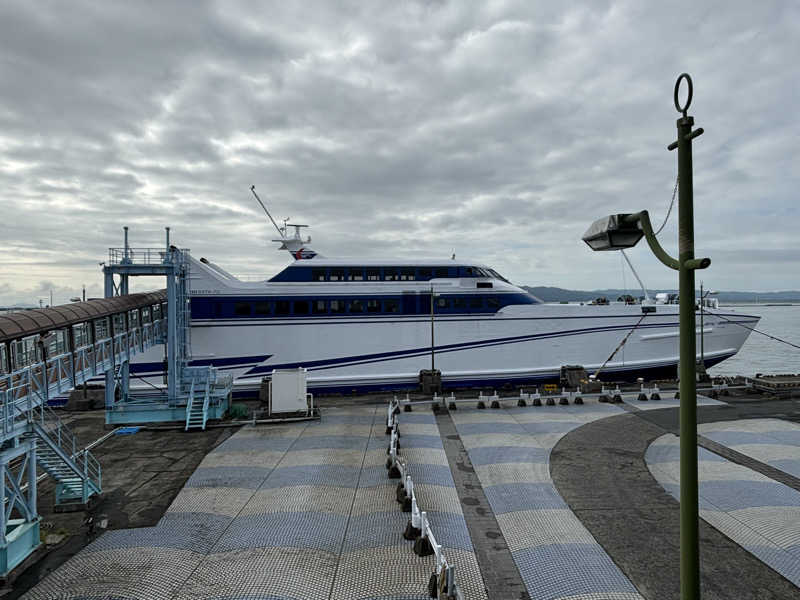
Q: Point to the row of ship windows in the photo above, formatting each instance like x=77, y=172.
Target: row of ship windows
x=357, y=306
x=382, y=273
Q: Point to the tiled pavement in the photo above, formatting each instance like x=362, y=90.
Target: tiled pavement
x=301, y=512
x=771, y=441
x=510, y=448
x=758, y=513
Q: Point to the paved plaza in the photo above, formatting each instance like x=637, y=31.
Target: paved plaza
x=306, y=511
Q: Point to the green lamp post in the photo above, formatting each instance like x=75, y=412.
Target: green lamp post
x=620, y=231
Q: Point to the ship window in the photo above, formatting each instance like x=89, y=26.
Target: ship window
x=242, y=309
x=373, y=275
x=373, y=306
x=424, y=274
x=355, y=306
x=484, y=284
x=391, y=306
x=493, y=302
x=301, y=307
x=390, y=275
x=317, y=274
x=356, y=274
x=319, y=307
x=476, y=302
x=337, y=275
x=441, y=272
x=444, y=302
x=469, y=272
x=282, y=307
x=263, y=308
x=459, y=303
x=406, y=274
x=337, y=306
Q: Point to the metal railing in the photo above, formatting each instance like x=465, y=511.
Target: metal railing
x=442, y=584
x=137, y=256
x=26, y=389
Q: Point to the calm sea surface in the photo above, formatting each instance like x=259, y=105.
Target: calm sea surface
x=761, y=354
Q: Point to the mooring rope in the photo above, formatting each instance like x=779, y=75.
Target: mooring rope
x=772, y=337
x=621, y=344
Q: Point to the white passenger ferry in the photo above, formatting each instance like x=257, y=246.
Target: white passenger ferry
x=362, y=325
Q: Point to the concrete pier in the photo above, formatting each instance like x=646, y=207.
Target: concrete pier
x=552, y=502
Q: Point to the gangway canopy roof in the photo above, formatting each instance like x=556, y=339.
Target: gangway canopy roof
x=25, y=323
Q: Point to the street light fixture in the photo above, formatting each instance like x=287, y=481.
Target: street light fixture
x=615, y=233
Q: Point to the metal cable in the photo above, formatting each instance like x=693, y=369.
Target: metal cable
x=671, y=204
x=772, y=337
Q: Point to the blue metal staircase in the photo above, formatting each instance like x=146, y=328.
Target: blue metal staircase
x=77, y=472
x=197, y=405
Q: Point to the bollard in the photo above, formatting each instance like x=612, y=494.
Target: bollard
x=433, y=586
x=521, y=402
x=537, y=401
x=452, y=406
x=578, y=400
x=642, y=397
x=406, y=408
x=563, y=401
x=654, y=393
x=495, y=404
x=422, y=545
x=481, y=405
x=677, y=395
x=413, y=529
x=551, y=401
x=435, y=407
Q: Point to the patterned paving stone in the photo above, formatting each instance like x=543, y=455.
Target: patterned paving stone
x=298, y=499
x=487, y=455
x=567, y=570
x=509, y=497
x=756, y=512
x=242, y=477
x=556, y=556
x=215, y=500
x=236, y=443
x=333, y=475
x=253, y=458
x=500, y=440
x=131, y=573
x=269, y=512
x=493, y=474
x=322, y=456
x=320, y=531
x=285, y=572
x=530, y=528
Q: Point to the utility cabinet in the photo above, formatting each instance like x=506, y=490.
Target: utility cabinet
x=287, y=392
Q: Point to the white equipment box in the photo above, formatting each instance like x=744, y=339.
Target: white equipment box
x=287, y=392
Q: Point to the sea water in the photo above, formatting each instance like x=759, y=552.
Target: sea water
x=761, y=354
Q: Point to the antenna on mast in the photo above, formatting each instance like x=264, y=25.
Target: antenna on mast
x=281, y=233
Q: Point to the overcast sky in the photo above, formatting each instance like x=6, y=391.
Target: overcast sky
x=495, y=130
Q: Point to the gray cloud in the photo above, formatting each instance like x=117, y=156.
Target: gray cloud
x=496, y=130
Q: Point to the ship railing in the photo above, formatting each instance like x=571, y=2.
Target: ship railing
x=442, y=583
